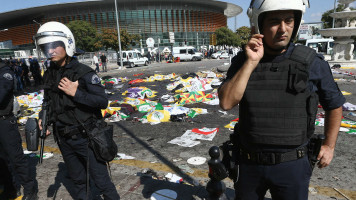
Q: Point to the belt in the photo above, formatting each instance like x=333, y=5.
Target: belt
x=268, y=158
x=74, y=132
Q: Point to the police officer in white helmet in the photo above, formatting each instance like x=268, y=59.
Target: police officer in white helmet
x=277, y=86
x=75, y=95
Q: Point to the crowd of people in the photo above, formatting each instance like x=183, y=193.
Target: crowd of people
x=25, y=70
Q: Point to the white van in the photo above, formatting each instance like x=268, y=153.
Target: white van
x=187, y=53
x=132, y=58
x=323, y=46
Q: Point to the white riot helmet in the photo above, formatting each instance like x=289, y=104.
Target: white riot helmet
x=53, y=34
x=257, y=7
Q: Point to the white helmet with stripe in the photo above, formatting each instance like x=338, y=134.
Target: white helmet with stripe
x=257, y=7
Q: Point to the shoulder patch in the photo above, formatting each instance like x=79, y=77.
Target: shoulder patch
x=95, y=79
x=8, y=76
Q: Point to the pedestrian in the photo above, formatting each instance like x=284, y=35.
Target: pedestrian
x=103, y=60
x=74, y=95
x=35, y=69
x=96, y=62
x=10, y=139
x=18, y=73
x=277, y=85
x=26, y=79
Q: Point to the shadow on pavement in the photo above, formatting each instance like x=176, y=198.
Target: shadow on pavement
x=60, y=180
x=162, y=184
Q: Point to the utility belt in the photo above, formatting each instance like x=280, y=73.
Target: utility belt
x=269, y=158
x=73, y=132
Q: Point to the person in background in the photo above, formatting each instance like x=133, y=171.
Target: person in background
x=96, y=62
x=104, y=61
x=11, y=151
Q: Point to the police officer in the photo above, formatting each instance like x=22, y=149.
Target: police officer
x=10, y=139
x=74, y=93
x=277, y=86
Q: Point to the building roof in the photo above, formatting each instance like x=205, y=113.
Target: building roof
x=26, y=16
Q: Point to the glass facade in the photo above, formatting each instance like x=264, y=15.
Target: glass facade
x=191, y=23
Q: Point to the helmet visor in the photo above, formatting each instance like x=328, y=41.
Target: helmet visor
x=48, y=49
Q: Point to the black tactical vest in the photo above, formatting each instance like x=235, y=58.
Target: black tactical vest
x=61, y=106
x=6, y=109
x=277, y=107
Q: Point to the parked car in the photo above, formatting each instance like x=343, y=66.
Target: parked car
x=187, y=53
x=132, y=58
x=224, y=55
x=217, y=54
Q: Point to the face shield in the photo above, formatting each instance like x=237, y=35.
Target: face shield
x=49, y=49
x=48, y=42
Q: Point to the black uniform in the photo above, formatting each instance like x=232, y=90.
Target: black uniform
x=72, y=140
x=277, y=115
x=10, y=139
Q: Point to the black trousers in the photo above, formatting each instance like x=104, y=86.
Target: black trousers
x=286, y=181
x=11, y=148
x=75, y=154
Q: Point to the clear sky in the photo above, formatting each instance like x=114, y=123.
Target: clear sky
x=313, y=14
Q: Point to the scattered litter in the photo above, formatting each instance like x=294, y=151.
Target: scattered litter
x=177, y=159
x=352, y=131
x=46, y=155
x=196, y=160
x=349, y=107
x=346, y=93
x=173, y=178
x=342, y=194
x=25, y=151
x=188, y=139
x=164, y=194
x=348, y=124
x=186, y=169
x=312, y=190
x=184, y=142
x=336, y=178
x=122, y=156
x=352, y=114
x=223, y=112
x=342, y=129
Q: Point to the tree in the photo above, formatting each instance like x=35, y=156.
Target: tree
x=85, y=35
x=327, y=19
x=225, y=36
x=244, y=34
x=108, y=39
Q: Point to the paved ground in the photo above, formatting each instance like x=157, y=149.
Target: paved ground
x=154, y=158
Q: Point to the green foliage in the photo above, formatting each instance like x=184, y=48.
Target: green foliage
x=327, y=19
x=108, y=39
x=243, y=33
x=85, y=35
x=225, y=36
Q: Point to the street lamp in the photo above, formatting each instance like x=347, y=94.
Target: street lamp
x=37, y=22
x=118, y=34
x=334, y=12
x=185, y=25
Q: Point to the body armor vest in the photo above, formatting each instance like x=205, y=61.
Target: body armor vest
x=277, y=107
x=61, y=106
x=6, y=109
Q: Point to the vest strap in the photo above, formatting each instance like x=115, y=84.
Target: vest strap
x=303, y=54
